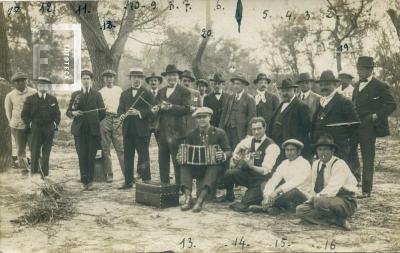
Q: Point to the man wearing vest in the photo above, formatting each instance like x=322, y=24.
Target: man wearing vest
x=216, y=99
x=374, y=102
x=306, y=95
x=251, y=165
x=266, y=102
x=334, y=188
x=42, y=114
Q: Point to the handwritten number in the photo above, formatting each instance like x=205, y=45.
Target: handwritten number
x=154, y=5
x=344, y=47
x=265, y=14
x=187, y=243
x=308, y=15
x=218, y=5
x=330, y=13
x=289, y=15
x=171, y=5
x=206, y=33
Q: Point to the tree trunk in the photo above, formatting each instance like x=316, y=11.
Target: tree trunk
x=339, y=61
x=395, y=17
x=5, y=133
x=5, y=66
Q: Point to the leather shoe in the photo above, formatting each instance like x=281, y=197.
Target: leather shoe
x=109, y=178
x=126, y=186
x=364, y=195
x=187, y=204
x=225, y=198
x=197, y=207
x=344, y=223
x=239, y=207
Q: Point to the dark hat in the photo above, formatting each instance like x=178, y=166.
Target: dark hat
x=295, y=142
x=86, y=72
x=136, y=72
x=304, y=77
x=108, y=72
x=217, y=78
x=240, y=77
x=365, y=61
x=202, y=111
x=344, y=74
x=327, y=76
x=153, y=75
x=325, y=140
x=202, y=82
x=19, y=76
x=44, y=80
x=171, y=68
x=287, y=84
x=188, y=74
x=262, y=76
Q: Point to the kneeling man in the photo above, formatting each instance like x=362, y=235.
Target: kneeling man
x=289, y=185
x=334, y=188
x=203, y=135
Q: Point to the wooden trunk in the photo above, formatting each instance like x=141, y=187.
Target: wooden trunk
x=153, y=193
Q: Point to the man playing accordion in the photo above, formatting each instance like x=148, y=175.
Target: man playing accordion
x=202, y=157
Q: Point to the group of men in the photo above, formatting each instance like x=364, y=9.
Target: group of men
x=294, y=150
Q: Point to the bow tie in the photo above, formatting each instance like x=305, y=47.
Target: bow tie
x=363, y=80
x=134, y=88
x=257, y=141
x=217, y=93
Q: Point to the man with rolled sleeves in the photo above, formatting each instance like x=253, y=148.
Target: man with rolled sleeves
x=266, y=102
x=42, y=115
x=110, y=133
x=13, y=105
x=306, y=95
x=134, y=110
x=86, y=108
x=203, y=135
x=374, y=103
x=216, y=99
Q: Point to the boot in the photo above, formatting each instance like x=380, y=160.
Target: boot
x=187, y=205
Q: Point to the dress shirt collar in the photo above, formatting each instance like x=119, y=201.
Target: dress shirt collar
x=305, y=94
x=368, y=80
x=86, y=90
x=325, y=100
x=239, y=96
x=42, y=94
x=172, y=88
x=262, y=138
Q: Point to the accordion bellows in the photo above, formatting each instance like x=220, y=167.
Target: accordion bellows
x=198, y=155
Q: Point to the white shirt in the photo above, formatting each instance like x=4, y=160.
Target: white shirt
x=305, y=94
x=348, y=92
x=170, y=90
x=335, y=177
x=13, y=104
x=325, y=100
x=296, y=173
x=271, y=153
x=363, y=84
x=111, y=97
x=40, y=95
x=260, y=96
x=154, y=92
x=239, y=96
x=85, y=90
x=286, y=104
x=135, y=90
x=218, y=96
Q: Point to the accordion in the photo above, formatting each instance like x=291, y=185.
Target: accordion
x=198, y=155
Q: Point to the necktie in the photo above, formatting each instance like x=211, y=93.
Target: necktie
x=319, y=182
x=303, y=97
x=257, y=141
x=42, y=97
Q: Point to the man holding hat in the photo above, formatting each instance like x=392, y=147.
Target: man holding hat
x=238, y=111
x=306, y=95
x=291, y=119
x=86, y=108
x=109, y=125
x=374, y=102
x=154, y=81
x=266, y=102
x=216, y=99
x=295, y=172
x=335, y=115
x=13, y=105
x=173, y=104
x=42, y=115
x=187, y=81
x=134, y=111
x=333, y=185
x=203, y=135
x=345, y=88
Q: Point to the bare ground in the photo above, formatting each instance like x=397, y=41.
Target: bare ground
x=108, y=220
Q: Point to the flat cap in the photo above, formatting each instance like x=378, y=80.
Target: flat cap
x=87, y=72
x=44, y=80
x=202, y=111
x=19, y=76
x=108, y=72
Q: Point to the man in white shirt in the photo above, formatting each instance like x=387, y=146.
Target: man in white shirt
x=345, y=88
x=109, y=130
x=251, y=165
x=334, y=188
x=295, y=172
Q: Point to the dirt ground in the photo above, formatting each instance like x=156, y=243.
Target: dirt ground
x=109, y=220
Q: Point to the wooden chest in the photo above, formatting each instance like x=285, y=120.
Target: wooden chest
x=154, y=193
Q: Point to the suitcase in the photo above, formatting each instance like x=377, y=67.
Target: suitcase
x=154, y=193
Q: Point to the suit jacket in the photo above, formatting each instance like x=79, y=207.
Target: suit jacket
x=216, y=105
x=195, y=101
x=267, y=109
x=339, y=110
x=91, y=119
x=171, y=123
x=247, y=110
x=31, y=108
x=140, y=124
x=295, y=123
x=312, y=101
x=377, y=98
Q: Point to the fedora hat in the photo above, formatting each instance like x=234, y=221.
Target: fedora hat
x=217, y=78
x=287, y=84
x=295, y=142
x=261, y=76
x=108, y=72
x=327, y=76
x=188, y=74
x=304, y=77
x=240, y=77
x=153, y=75
x=19, y=76
x=136, y=72
x=365, y=61
x=87, y=72
x=202, y=82
x=325, y=140
x=171, y=68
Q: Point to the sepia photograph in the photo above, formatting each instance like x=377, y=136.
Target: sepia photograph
x=199, y=126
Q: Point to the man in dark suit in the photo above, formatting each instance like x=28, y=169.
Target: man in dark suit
x=291, y=120
x=216, y=99
x=42, y=114
x=203, y=135
x=134, y=110
x=335, y=115
x=266, y=102
x=188, y=81
x=86, y=108
x=173, y=104
x=374, y=103
x=306, y=95
x=238, y=111
x=154, y=82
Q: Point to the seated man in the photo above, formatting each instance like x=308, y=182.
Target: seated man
x=295, y=174
x=334, y=188
x=251, y=165
x=203, y=135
